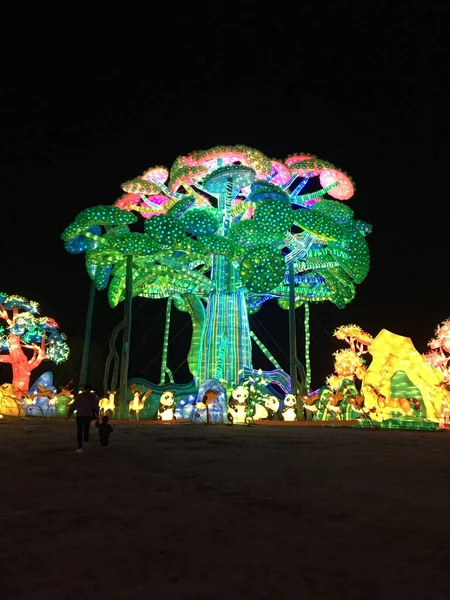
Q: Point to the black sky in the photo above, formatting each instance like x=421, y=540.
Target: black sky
x=91, y=101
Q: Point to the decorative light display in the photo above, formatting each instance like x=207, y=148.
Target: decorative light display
x=401, y=388
x=166, y=406
x=137, y=404
x=400, y=385
x=43, y=400
x=439, y=354
x=220, y=230
x=107, y=404
x=26, y=340
x=9, y=404
x=207, y=405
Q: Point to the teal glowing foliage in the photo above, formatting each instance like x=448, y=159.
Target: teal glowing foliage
x=284, y=302
x=136, y=244
x=191, y=250
x=105, y=255
x=352, y=252
x=201, y=221
x=116, y=290
x=261, y=269
x=97, y=215
x=58, y=351
x=114, y=247
x=362, y=226
x=274, y=216
x=338, y=211
x=217, y=244
x=113, y=232
x=247, y=233
x=165, y=230
x=101, y=276
x=342, y=290
x=179, y=207
x=320, y=225
x=350, y=248
x=180, y=304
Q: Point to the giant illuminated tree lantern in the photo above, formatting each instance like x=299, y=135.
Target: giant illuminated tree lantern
x=26, y=340
x=221, y=232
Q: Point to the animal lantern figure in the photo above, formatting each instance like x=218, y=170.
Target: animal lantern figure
x=310, y=402
x=67, y=391
x=64, y=399
x=260, y=412
x=237, y=405
x=41, y=403
x=107, y=403
x=289, y=412
x=267, y=411
x=323, y=401
x=51, y=398
x=137, y=404
x=166, y=406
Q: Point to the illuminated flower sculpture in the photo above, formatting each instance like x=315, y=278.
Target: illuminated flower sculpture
x=439, y=355
x=26, y=340
x=340, y=397
x=220, y=232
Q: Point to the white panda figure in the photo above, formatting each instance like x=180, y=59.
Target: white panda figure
x=166, y=406
x=237, y=405
x=272, y=404
x=260, y=412
x=289, y=412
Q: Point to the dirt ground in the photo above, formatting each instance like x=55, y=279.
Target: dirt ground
x=182, y=511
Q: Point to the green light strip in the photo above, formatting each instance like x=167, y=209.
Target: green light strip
x=164, y=369
x=319, y=193
x=226, y=320
x=265, y=351
x=307, y=345
x=220, y=360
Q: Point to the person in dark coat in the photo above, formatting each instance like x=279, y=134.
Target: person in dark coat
x=104, y=431
x=86, y=405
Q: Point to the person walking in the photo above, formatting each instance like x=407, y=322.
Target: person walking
x=86, y=405
x=104, y=431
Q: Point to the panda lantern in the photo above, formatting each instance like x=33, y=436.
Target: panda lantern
x=289, y=412
x=166, y=406
x=267, y=411
x=237, y=405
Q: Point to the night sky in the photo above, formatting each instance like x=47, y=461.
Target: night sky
x=91, y=102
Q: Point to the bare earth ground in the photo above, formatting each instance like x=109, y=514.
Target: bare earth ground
x=181, y=511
